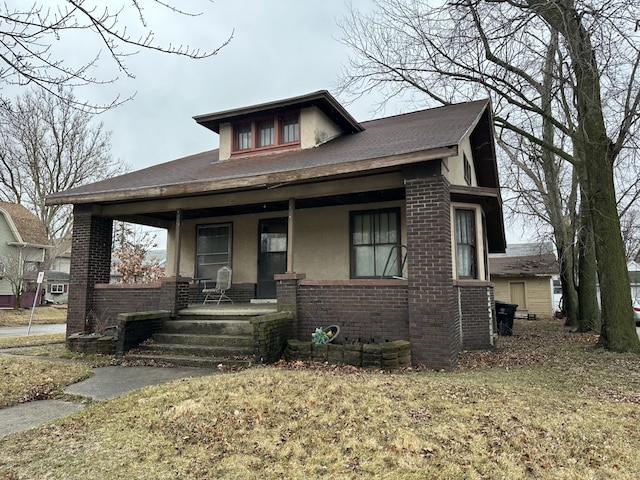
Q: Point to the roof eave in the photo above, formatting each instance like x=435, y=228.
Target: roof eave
x=268, y=180
x=28, y=245
x=322, y=99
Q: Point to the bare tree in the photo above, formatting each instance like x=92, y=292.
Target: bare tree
x=630, y=224
x=47, y=146
x=576, y=98
x=30, y=31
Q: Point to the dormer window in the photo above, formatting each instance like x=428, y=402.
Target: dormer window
x=243, y=136
x=290, y=129
x=266, y=133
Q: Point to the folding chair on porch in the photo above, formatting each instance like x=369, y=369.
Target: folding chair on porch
x=223, y=283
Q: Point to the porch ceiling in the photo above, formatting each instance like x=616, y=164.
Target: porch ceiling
x=167, y=217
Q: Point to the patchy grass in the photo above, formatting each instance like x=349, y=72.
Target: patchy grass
x=41, y=315
x=544, y=405
x=32, y=340
x=24, y=379
x=60, y=350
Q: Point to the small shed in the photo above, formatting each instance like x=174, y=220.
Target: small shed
x=523, y=275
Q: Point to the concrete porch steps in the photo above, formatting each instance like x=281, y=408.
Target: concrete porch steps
x=187, y=361
x=205, y=336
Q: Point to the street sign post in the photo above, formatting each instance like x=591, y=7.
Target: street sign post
x=35, y=299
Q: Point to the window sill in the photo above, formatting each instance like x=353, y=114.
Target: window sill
x=471, y=282
x=284, y=147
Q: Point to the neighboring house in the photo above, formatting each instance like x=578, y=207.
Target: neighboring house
x=524, y=275
x=23, y=244
x=57, y=286
x=382, y=227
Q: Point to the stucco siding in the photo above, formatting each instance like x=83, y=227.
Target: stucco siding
x=456, y=165
x=321, y=242
x=226, y=139
x=316, y=128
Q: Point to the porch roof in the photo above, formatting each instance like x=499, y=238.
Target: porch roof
x=384, y=144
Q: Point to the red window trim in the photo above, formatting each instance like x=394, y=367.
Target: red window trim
x=277, y=134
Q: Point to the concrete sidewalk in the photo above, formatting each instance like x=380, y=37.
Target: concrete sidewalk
x=106, y=383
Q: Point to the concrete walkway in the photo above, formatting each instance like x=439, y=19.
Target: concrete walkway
x=106, y=383
x=35, y=330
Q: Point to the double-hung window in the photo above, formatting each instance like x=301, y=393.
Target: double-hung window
x=266, y=133
x=290, y=129
x=243, y=136
x=466, y=248
x=213, y=249
x=374, y=234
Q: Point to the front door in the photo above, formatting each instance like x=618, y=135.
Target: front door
x=272, y=254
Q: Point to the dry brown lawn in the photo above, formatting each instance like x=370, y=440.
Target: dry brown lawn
x=544, y=405
x=41, y=315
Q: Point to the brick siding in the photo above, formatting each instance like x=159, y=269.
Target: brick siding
x=90, y=264
x=477, y=315
x=433, y=316
x=364, y=311
x=111, y=300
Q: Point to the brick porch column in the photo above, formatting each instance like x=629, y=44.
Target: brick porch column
x=287, y=295
x=90, y=263
x=433, y=319
x=174, y=294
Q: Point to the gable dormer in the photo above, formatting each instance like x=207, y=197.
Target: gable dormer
x=291, y=124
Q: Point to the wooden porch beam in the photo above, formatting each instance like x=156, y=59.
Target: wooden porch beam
x=178, y=238
x=292, y=206
x=336, y=187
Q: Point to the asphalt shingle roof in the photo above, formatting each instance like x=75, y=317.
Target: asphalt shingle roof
x=29, y=226
x=524, y=266
x=402, y=134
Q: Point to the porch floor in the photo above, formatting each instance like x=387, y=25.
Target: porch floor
x=229, y=309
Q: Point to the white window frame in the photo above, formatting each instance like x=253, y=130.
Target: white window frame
x=217, y=264
x=56, y=288
x=481, y=245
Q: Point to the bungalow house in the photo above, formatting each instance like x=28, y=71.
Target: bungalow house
x=382, y=227
x=23, y=246
x=524, y=275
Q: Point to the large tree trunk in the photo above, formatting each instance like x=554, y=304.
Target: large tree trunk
x=589, y=318
x=564, y=231
x=570, y=306
x=618, y=327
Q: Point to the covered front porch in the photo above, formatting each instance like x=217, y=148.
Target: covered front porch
x=295, y=247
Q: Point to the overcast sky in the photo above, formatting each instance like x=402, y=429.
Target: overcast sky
x=279, y=49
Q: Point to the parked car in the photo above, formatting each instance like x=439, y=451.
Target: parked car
x=636, y=310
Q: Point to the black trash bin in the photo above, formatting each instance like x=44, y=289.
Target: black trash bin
x=505, y=313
